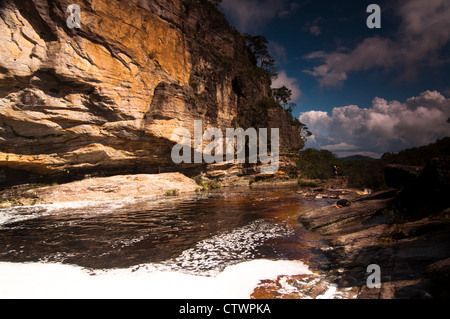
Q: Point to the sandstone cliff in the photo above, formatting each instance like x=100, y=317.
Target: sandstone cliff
x=104, y=99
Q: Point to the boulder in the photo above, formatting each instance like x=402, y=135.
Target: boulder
x=398, y=176
x=428, y=193
x=114, y=188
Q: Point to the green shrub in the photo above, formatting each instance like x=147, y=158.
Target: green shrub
x=306, y=183
x=211, y=185
x=206, y=185
x=267, y=103
x=172, y=192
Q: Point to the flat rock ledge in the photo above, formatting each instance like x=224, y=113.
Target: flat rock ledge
x=412, y=255
x=111, y=188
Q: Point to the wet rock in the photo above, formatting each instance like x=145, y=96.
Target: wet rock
x=331, y=217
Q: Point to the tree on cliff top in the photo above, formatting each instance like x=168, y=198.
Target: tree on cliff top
x=282, y=95
x=258, y=47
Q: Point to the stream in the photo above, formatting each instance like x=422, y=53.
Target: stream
x=229, y=243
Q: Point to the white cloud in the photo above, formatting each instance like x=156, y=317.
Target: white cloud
x=316, y=118
x=423, y=32
x=290, y=83
x=388, y=126
x=340, y=147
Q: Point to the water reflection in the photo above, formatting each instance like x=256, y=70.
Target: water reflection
x=199, y=234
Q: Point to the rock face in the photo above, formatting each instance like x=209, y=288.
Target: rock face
x=105, y=98
x=427, y=194
x=401, y=175
x=412, y=255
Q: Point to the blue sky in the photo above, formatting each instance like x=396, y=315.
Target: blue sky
x=331, y=60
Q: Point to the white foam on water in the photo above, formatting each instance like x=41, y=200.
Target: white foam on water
x=213, y=254
x=329, y=294
x=59, y=281
x=17, y=214
x=22, y=213
x=220, y=267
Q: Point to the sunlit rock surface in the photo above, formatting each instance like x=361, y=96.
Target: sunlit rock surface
x=105, y=98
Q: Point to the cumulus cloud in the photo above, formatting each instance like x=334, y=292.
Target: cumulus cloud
x=290, y=83
x=423, y=32
x=387, y=126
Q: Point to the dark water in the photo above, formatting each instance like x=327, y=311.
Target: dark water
x=122, y=234
x=200, y=234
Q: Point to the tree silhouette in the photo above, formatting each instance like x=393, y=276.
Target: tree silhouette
x=258, y=47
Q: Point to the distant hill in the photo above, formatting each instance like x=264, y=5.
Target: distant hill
x=365, y=171
x=419, y=156
x=357, y=158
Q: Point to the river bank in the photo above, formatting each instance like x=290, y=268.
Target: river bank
x=405, y=232
x=412, y=253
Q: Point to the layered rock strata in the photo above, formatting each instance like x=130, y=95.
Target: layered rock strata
x=105, y=98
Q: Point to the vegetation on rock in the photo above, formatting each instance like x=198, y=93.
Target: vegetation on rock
x=366, y=172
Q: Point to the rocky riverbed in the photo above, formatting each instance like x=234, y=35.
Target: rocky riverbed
x=389, y=228
x=406, y=233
